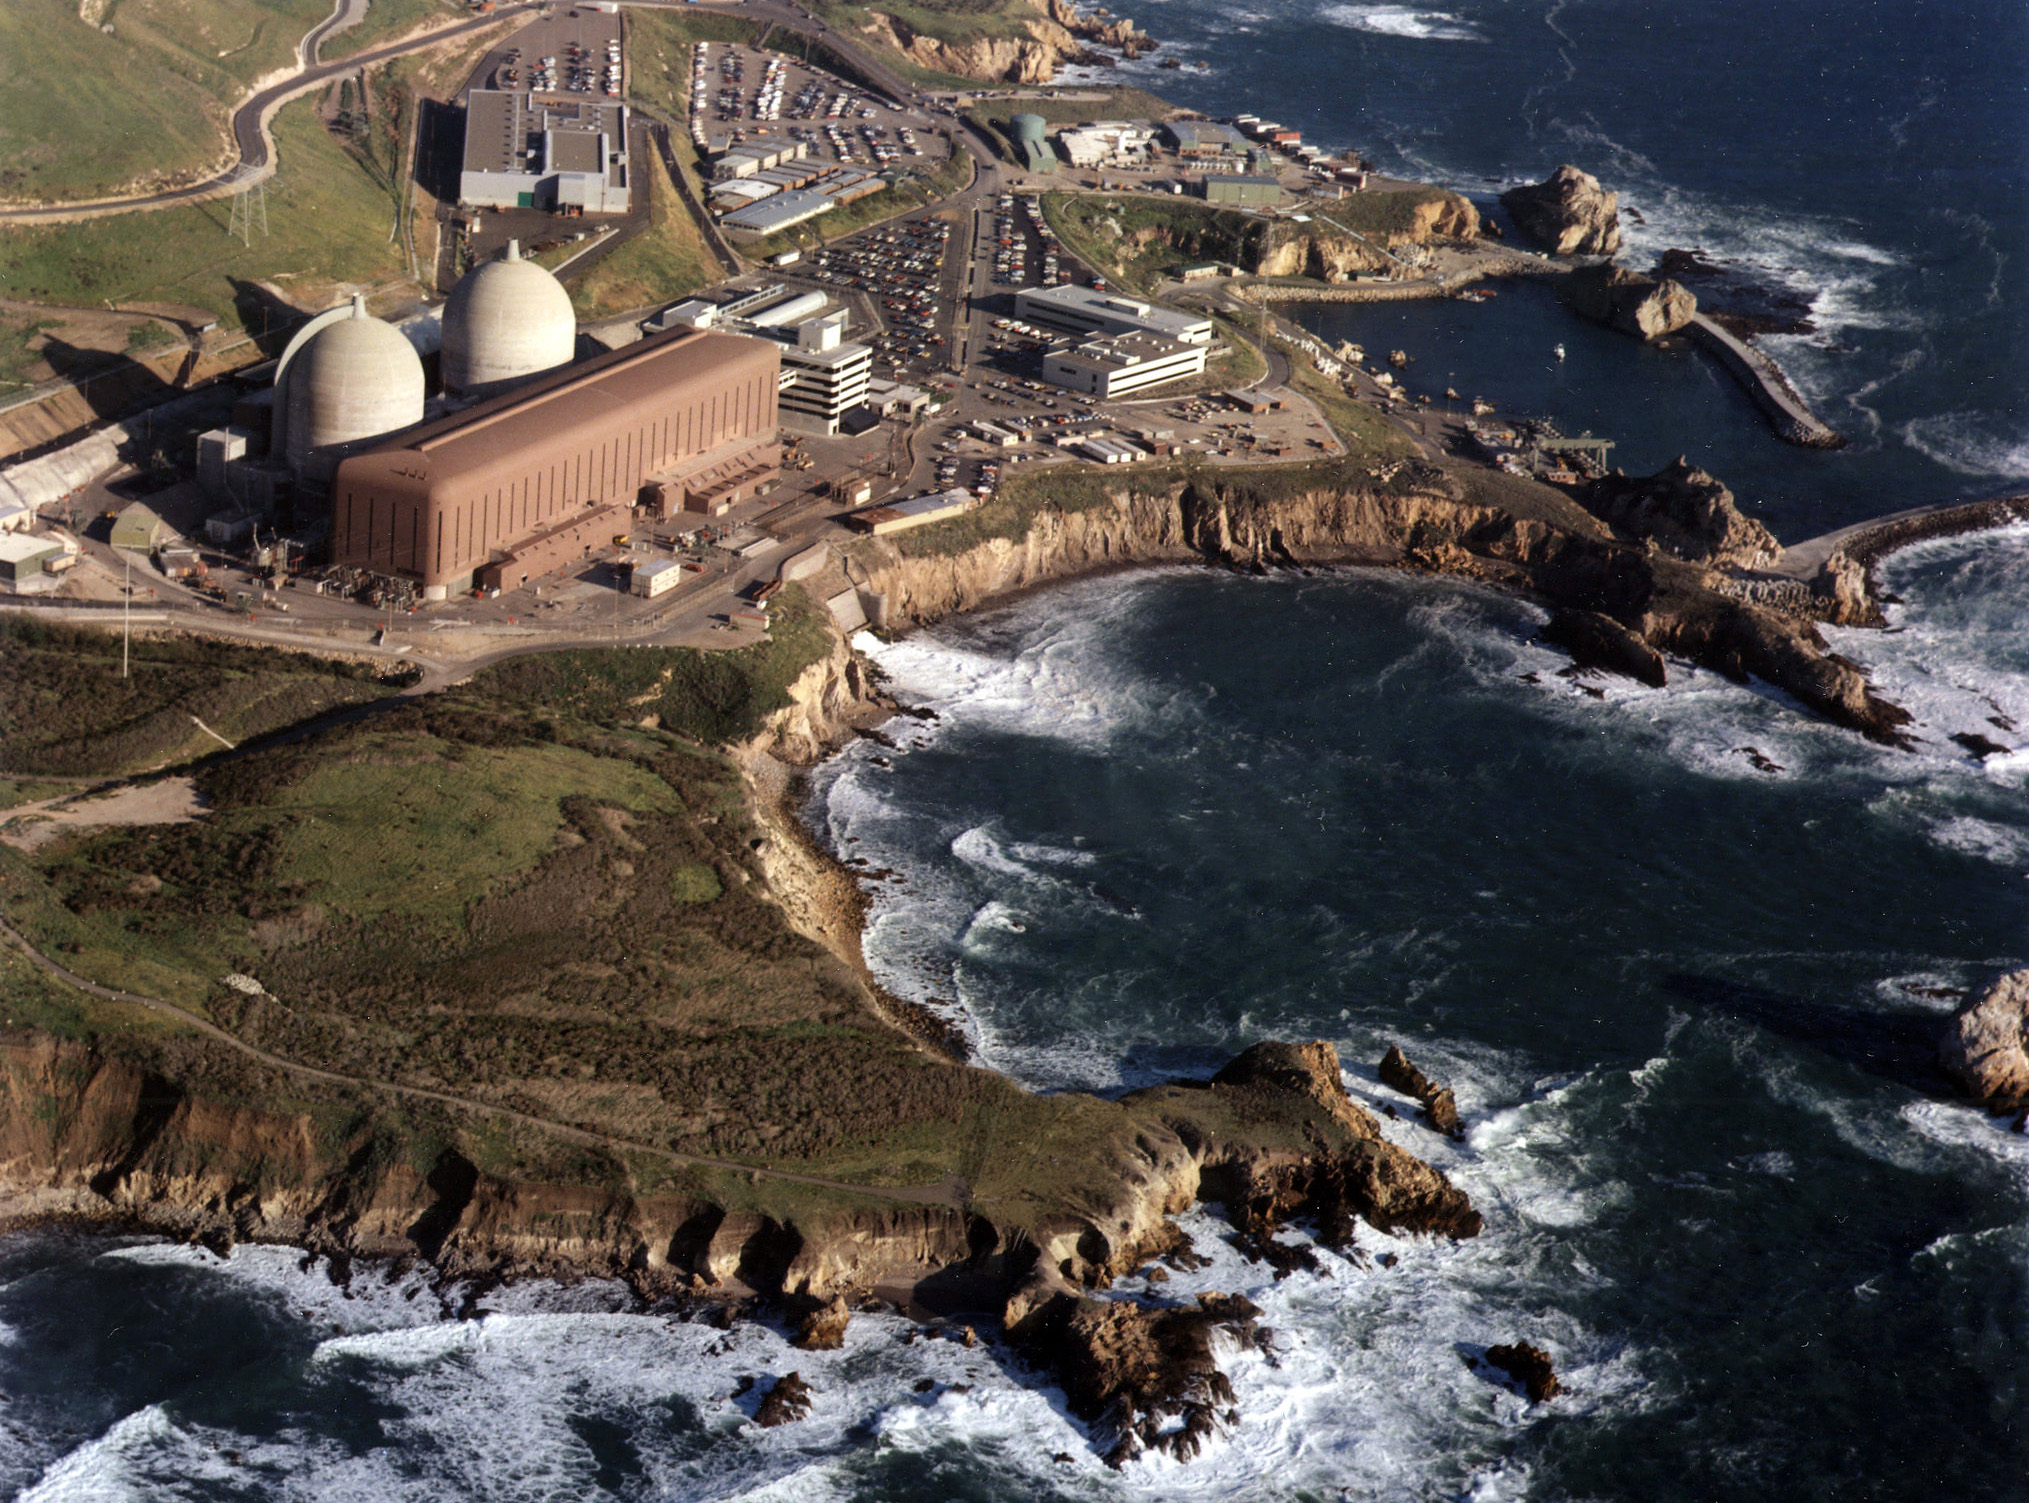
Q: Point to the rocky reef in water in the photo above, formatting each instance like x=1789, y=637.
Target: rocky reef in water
x=1568, y=213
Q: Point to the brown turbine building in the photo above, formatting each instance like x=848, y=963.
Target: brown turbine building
x=506, y=491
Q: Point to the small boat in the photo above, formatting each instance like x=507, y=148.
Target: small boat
x=1560, y=352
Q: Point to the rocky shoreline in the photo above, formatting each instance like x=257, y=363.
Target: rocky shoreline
x=1664, y=578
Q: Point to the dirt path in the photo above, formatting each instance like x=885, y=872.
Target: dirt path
x=951, y=1191
x=171, y=801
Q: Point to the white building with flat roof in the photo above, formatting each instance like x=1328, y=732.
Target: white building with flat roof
x=1080, y=310
x=1121, y=364
x=824, y=375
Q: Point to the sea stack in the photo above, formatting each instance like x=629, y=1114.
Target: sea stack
x=1568, y=212
x=1984, y=1050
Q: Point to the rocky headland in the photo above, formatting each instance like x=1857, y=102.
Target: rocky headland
x=1044, y=36
x=1610, y=576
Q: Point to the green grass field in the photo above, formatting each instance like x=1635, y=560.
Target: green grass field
x=329, y=220
x=667, y=259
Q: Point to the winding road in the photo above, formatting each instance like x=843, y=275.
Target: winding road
x=250, y=121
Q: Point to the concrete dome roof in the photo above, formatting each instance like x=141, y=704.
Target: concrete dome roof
x=357, y=378
x=505, y=321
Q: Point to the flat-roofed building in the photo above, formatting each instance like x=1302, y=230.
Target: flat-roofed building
x=792, y=206
x=1253, y=192
x=824, y=375
x=521, y=483
x=1080, y=310
x=1122, y=364
x=523, y=153
x=1203, y=138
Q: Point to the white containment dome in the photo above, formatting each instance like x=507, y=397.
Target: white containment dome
x=506, y=321
x=356, y=378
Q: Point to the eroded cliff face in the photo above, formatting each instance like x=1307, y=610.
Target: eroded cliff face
x=1649, y=601
x=1316, y=248
x=1031, y=58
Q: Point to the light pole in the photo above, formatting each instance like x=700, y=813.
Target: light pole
x=126, y=611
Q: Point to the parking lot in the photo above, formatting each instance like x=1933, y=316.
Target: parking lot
x=743, y=95
x=900, y=269
x=572, y=54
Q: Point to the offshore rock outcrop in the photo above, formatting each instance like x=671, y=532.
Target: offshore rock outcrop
x=1568, y=212
x=1529, y=1366
x=1630, y=302
x=1440, y=1108
x=1985, y=1049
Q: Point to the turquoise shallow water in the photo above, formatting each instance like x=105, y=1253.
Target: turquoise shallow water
x=1681, y=952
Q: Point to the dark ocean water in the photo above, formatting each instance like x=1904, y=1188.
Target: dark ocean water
x=1683, y=953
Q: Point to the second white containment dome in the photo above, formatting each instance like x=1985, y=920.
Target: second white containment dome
x=505, y=321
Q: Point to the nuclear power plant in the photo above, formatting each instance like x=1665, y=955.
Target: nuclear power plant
x=527, y=458
x=503, y=492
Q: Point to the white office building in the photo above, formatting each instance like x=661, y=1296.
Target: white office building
x=1122, y=364
x=824, y=375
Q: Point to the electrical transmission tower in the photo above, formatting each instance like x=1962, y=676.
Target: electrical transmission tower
x=249, y=206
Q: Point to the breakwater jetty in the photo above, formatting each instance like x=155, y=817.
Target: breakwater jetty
x=1786, y=410
x=1867, y=543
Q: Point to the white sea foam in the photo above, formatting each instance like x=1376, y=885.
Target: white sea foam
x=1969, y=443
x=1403, y=21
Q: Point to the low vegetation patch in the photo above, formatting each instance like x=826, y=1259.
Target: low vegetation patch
x=66, y=711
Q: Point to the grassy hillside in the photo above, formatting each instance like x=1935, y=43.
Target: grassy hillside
x=667, y=259
x=521, y=892
x=329, y=218
x=84, y=113
x=65, y=711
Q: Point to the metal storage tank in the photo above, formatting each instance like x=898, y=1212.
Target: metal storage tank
x=358, y=378
x=505, y=321
x=1030, y=127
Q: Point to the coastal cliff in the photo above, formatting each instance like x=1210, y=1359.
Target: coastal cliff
x=1633, y=592
x=1046, y=36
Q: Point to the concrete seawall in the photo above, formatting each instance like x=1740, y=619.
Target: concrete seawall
x=1765, y=382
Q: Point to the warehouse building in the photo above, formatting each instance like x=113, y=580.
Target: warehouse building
x=1080, y=310
x=506, y=491
x=30, y=564
x=1249, y=192
x=1122, y=364
x=524, y=153
x=1204, y=138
